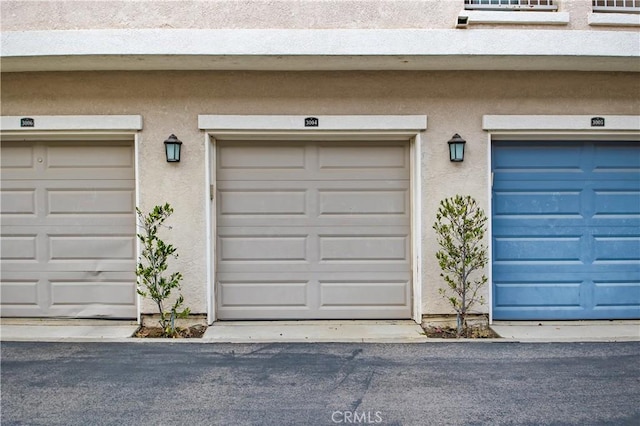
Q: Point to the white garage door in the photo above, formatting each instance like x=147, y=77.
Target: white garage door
x=313, y=230
x=68, y=229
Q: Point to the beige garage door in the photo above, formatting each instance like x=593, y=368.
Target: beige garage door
x=313, y=230
x=68, y=229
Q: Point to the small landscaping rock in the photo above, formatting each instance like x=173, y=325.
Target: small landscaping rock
x=472, y=332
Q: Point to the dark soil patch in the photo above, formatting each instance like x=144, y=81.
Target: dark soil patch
x=474, y=332
x=193, y=332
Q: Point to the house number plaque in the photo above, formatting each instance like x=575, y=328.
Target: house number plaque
x=27, y=122
x=597, y=122
x=311, y=122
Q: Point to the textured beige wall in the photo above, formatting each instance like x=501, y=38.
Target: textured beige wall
x=64, y=15
x=171, y=101
x=22, y=15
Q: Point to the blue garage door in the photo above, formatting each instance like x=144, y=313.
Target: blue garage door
x=566, y=230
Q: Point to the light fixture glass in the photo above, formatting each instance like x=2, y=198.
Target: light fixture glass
x=172, y=149
x=456, y=148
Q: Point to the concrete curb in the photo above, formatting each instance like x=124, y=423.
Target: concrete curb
x=310, y=341
x=376, y=332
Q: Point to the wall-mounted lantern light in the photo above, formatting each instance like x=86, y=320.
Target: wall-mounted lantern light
x=456, y=148
x=172, y=149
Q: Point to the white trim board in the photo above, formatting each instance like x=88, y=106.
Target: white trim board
x=560, y=123
x=615, y=19
x=71, y=122
x=328, y=42
x=347, y=127
x=136, y=167
x=394, y=123
x=321, y=49
x=517, y=17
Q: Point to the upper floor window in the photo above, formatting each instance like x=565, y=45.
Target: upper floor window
x=536, y=5
x=622, y=6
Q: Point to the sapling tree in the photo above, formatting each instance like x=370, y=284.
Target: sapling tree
x=152, y=264
x=460, y=227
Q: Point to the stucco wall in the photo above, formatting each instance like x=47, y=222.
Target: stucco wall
x=171, y=101
x=20, y=15
x=24, y=15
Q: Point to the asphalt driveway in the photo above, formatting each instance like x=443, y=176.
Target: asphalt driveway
x=471, y=383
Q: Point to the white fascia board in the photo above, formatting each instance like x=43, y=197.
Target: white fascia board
x=520, y=18
x=275, y=49
x=325, y=122
x=72, y=122
x=615, y=19
x=496, y=123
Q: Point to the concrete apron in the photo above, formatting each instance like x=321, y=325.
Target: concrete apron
x=401, y=331
x=65, y=330
x=569, y=331
x=57, y=330
x=70, y=330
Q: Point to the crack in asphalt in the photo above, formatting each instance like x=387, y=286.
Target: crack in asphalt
x=367, y=385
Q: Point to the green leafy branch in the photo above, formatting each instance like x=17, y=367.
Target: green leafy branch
x=152, y=281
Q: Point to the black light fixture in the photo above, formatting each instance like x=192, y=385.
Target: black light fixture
x=172, y=149
x=456, y=148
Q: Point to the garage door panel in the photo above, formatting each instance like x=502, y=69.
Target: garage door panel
x=90, y=201
x=108, y=174
x=350, y=200
x=378, y=248
x=560, y=238
x=110, y=160
x=365, y=267
x=616, y=294
x=265, y=156
x=617, y=202
x=278, y=293
x=67, y=294
x=82, y=249
x=36, y=161
x=262, y=202
x=333, y=221
x=16, y=155
x=506, y=269
x=16, y=289
x=326, y=218
x=92, y=310
x=616, y=248
x=254, y=161
x=538, y=157
x=553, y=293
x=17, y=200
x=321, y=203
x=45, y=202
x=351, y=155
x=538, y=249
x=540, y=202
x=68, y=222
x=565, y=228
x=359, y=293
x=261, y=248
x=81, y=292
x=78, y=155
x=18, y=247
x=618, y=157
x=91, y=247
